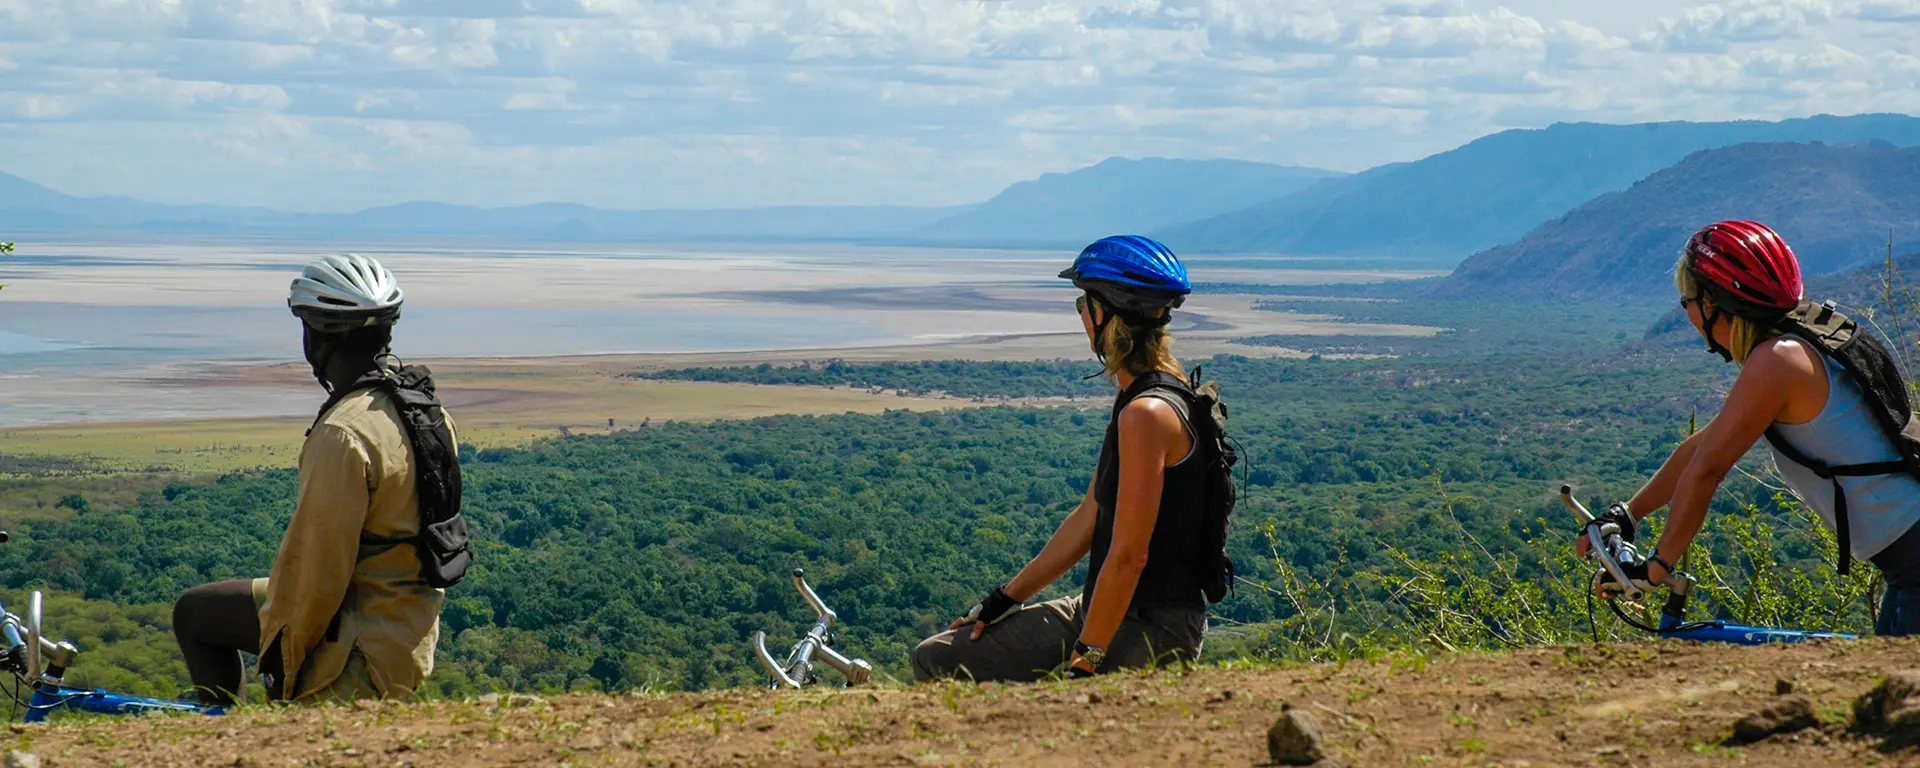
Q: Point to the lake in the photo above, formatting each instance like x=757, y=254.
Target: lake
x=82, y=325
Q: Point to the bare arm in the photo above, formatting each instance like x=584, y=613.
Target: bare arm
x=1772, y=378
x=1658, y=492
x=1069, y=543
x=1150, y=430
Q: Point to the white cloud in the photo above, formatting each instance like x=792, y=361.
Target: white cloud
x=344, y=103
x=1715, y=26
x=1897, y=11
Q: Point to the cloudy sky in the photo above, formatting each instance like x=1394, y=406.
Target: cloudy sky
x=340, y=104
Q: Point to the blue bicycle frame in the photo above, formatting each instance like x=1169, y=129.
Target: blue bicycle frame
x=1673, y=623
x=23, y=656
x=1611, y=550
x=48, y=697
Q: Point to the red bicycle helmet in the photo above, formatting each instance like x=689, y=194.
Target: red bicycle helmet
x=1746, y=268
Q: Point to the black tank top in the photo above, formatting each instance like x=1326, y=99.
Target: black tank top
x=1166, y=579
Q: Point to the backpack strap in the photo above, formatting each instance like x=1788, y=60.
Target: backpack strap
x=1835, y=336
x=366, y=380
x=1842, y=530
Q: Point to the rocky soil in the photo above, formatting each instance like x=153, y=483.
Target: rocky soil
x=1655, y=704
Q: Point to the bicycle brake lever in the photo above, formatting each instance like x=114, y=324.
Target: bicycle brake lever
x=766, y=660
x=1597, y=538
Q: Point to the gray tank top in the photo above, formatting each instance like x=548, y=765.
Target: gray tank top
x=1880, y=508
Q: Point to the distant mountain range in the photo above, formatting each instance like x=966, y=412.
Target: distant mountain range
x=26, y=207
x=1115, y=196
x=1489, y=193
x=1495, y=189
x=1836, y=205
x=1122, y=196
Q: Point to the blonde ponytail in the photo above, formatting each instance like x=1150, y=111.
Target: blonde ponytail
x=1138, y=351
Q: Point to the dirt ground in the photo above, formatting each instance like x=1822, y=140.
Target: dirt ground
x=1654, y=704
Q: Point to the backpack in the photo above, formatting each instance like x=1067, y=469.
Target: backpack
x=442, y=542
x=1207, y=414
x=1864, y=358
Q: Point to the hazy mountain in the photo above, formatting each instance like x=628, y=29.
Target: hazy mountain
x=1836, y=206
x=29, y=207
x=1120, y=195
x=1495, y=189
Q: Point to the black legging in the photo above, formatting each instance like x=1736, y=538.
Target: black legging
x=214, y=624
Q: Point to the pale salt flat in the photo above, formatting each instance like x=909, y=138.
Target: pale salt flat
x=87, y=330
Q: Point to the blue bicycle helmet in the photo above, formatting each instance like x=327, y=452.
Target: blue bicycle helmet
x=1132, y=273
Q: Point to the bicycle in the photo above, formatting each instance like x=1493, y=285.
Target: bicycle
x=39, y=664
x=1613, y=551
x=797, y=671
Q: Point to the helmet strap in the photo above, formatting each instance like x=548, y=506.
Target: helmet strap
x=1100, y=320
x=1713, y=344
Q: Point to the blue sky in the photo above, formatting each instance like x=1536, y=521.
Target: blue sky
x=340, y=104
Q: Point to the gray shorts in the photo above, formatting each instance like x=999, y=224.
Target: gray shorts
x=1037, y=640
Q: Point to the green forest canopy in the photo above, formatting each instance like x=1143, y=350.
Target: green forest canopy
x=648, y=558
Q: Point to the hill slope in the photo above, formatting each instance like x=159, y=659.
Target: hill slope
x=1495, y=189
x=1856, y=290
x=1538, y=706
x=1120, y=195
x=1834, y=205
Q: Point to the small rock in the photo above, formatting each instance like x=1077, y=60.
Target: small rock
x=1294, y=739
x=1785, y=715
x=1782, y=687
x=18, y=759
x=1892, y=707
x=489, y=699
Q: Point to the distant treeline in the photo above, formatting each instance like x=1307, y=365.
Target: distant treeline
x=1059, y=378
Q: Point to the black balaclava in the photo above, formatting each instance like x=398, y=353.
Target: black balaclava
x=321, y=349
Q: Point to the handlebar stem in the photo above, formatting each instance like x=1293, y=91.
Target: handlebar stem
x=797, y=671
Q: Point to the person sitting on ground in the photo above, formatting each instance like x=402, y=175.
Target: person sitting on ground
x=1141, y=605
x=340, y=618
x=1741, y=288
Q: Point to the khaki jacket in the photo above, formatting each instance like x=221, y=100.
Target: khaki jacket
x=356, y=474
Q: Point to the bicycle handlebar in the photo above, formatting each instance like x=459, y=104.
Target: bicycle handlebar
x=813, y=600
x=1608, y=546
x=798, y=669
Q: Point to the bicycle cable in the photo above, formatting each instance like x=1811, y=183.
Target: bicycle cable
x=1687, y=627
x=14, y=695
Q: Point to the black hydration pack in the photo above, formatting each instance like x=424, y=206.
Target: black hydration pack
x=1865, y=359
x=1207, y=414
x=442, y=542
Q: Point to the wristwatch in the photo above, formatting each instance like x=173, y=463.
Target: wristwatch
x=1093, y=654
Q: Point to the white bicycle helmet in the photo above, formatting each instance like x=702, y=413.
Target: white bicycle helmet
x=340, y=293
